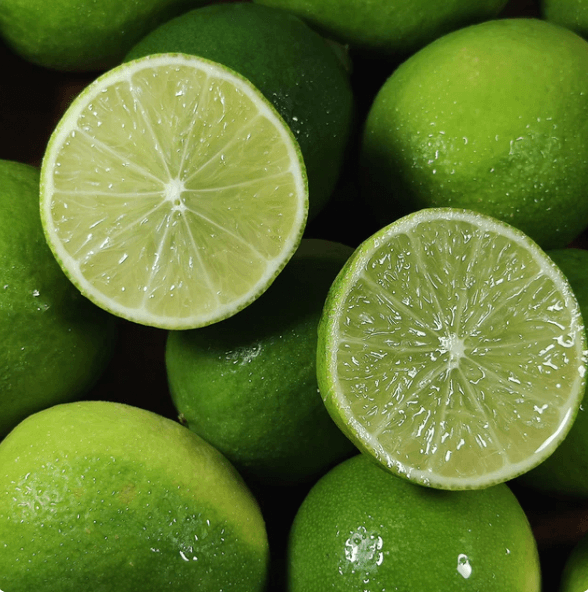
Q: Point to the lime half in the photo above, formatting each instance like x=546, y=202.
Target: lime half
x=172, y=192
x=452, y=349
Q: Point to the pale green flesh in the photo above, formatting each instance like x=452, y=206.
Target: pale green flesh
x=459, y=354
x=176, y=193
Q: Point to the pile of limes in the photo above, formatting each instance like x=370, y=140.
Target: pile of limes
x=349, y=236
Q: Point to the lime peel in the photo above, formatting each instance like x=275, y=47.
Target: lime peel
x=452, y=349
x=172, y=192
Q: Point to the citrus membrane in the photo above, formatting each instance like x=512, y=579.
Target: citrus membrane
x=172, y=192
x=452, y=350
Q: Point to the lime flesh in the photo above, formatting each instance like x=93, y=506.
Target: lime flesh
x=452, y=349
x=172, y=193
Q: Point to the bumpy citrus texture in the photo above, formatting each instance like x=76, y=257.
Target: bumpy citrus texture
x=494, y=118
x=248, y=385
x=82, y=35
x=389, y=28
x=296, y=70
x=172, y=192
x=105, y=497
x=361, y=528
x=452, y=349
x=572, y=14
x=565, y=472
x=55, y=343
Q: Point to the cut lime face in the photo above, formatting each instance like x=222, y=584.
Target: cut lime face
x=452, y=349
x=172, y=193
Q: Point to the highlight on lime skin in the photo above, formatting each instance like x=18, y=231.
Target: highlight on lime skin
x=452, y=350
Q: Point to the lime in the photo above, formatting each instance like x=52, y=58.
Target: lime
x=572, y=14
x=575, y=573
x=492, y=118
x=389, y=28
x=565, y=472
x=248, y=385
x=103, y=497
x=55, y=343
x=172, y=193
x=361, y=528
x=295, y=68
x=452, y=349
x=81, y=35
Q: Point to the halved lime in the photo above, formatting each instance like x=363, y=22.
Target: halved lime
x=452, y=349
x=172, y=192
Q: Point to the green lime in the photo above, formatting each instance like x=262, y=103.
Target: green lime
x=172, y=192
x=82, y=35
x=248, y=385
x=295, y=68
x=575, y=573
x=452, y=349
x=492, y=118
x=565, y=472
x=361, y=528
x=385, y=28
x=55, y=343
x=572, y=14
x=104, y=497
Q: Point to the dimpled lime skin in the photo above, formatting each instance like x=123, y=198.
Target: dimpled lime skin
x=389, y=28
x=248, y=384
x=294, y=67
x=361, y=528
x=572, y=14
x=82, y=35
x=565, y=472
x=55, y=343
x=104, y=497
x=491, y=118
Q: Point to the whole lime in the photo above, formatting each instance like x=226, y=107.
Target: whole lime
x=55, y=343
x=361, y=528
x=572, y=14
x=575, y=572
x=565, y=472
x=387, y=28
x=81, y=35
x=248, y=384
x=101, y=496
x=492, y=118
x=294, y=67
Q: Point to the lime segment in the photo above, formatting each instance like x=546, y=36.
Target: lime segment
x=172, y=192
x=452, y=349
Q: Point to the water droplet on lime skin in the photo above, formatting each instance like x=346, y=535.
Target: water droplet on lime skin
x=464, y=568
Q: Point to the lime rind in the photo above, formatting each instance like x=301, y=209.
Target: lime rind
x=452, y=349
x=207, y=164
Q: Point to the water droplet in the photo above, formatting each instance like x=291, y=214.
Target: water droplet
x=463, y=566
